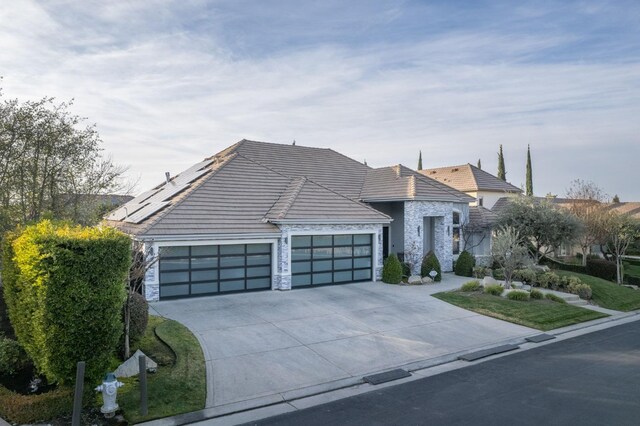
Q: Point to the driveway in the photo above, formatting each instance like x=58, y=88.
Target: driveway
x=268, y=343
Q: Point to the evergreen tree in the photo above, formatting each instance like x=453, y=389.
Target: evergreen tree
x=529, y=188
x=616, y=199
x=479, y=164
x=502, y=174
x=420, y=161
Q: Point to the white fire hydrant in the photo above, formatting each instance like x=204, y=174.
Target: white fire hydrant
x=109, y=389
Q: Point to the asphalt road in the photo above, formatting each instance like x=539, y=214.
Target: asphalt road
x=593, y=379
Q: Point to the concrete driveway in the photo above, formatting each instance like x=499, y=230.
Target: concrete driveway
x=281, y=344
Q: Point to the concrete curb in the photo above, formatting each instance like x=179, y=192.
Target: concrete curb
x=258, y=408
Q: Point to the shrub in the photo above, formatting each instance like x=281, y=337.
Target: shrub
x=23, y=409
x=139, y=309
x=465, y=264
x=481, y=272
x=392, y=270
x=406, y=269
x=471, y=286
x=64, y=288
x=582, y=290
x=601, y=268
x=498, y=274
x=548, y=280
x=632, y=280
x=556, y=264
x=518, y=295
x=554, y=298
x=429, y=263
x=525, y=275
x=536, y=294
x=494, y=289
x=12, y=356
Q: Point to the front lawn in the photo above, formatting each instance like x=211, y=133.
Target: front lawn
x=609, y=295
x=540, y=314
x=179, y=384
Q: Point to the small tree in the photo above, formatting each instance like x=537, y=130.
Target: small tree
x=529, y=186
x=587, y=205
x=142, y=260
x=622, y=230
x=502, y=174
x=420, y=161
x=431, y=263
x=479, y=164
x=509, y=252
x=392, y=270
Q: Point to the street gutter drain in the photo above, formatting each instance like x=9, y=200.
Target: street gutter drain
x=487, y=352
x=538, y=338
x=388, y=376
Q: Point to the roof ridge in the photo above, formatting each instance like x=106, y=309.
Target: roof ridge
x=430, y=181
x=412, y=186
x=294, y=188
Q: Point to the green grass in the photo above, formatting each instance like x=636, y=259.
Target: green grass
x=540, y=314
x=178, y=386
x=632, y=269
x=608, y=294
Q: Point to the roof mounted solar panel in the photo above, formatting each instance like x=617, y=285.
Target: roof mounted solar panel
x=146, y=211
x=189, y=176
x=126, y=210
x=168, y=191
x=199, y=165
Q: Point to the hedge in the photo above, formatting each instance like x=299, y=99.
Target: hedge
x=464, y=265
x=602, y=268
x=555, y=264
x=64, y=287
x=429, y=263
x=22, y=409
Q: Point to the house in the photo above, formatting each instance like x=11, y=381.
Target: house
x=483, y=186
x=261, y=216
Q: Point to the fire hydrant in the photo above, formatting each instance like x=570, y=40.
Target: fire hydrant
x=109, y=389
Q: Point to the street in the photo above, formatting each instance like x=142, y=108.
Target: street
x=592, y=379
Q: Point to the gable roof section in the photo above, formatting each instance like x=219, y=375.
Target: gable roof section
x=468, y=178
x=398, y=183
x=305, y=201
x=629, y=208
x=481, y=217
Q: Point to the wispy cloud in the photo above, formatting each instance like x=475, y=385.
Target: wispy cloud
x=169, y=83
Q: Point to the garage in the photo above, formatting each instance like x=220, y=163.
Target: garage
x=331, y=259
x=199, y=270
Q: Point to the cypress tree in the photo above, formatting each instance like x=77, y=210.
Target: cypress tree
x=529, y=175
x=420, y=161
x=502, y=174
x=479, y=164
x=616, y=199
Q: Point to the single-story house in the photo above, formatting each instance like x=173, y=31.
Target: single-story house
x=261, y=216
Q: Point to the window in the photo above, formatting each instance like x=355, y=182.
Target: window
x=480, y=201
x=456, y=233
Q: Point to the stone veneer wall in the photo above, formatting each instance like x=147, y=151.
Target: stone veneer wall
x=414, y=213
x=151, y=278
x=282, y=278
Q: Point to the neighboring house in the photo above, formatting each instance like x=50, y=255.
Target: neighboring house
x=483, y=186
x=630, y=208
x=269, y=216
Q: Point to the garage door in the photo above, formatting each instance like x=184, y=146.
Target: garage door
x=213, y=269
x=330, y=259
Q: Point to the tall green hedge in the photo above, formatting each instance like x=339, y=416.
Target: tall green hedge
x=465, y=263
x=429, y=263
x=392, y=270
x=64, y=287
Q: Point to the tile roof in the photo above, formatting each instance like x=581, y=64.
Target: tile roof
x=481, y=217
x=249, y=185
x=629, y=208
x=468, y=178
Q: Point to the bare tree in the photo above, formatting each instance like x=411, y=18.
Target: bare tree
x=587, y=205
x=143, y=259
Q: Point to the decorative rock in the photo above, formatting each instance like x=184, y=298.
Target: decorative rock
x=131, y=368
x=488, y=281
x=415, y=279
x=427, y=280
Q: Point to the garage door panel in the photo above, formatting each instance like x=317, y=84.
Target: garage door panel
x=212, y=269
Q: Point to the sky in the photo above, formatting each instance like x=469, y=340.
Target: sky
x=169, y=83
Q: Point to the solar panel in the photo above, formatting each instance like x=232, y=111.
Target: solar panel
x=168, y=191
x=189, y=176
x=145, y=212
x=125, y=210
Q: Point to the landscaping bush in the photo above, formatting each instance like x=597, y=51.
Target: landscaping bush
x=139, y=309
x=464, y=265
x=601, y=268
x=392, y=270
x=471, y=286
x=518, y=295
x=525, y=275
x=548, y=280
x=406, y=269
x=26, y=409
x=481, y=272
x=582, y=290
x=536, y=294
x=429, y=263
x=494, y=289
x=632, y=280
x=556, y=264
x=498, y=274
x=554, y=298
x=12, y=356
x=64, y=288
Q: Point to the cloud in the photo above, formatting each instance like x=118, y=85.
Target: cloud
x=166, y=89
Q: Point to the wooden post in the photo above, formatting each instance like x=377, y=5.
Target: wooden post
x=77, y=397
x=142, y=362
